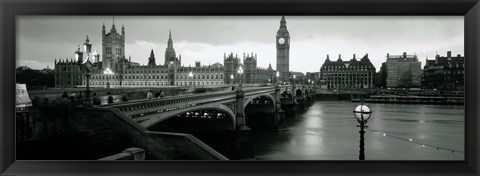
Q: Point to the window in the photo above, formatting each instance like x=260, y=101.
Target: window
x=108, y=50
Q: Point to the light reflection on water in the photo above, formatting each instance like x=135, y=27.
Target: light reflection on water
x=327, y=131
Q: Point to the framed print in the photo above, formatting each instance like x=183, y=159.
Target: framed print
x=239, y=88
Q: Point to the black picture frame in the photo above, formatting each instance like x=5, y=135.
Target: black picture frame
x=468, y=8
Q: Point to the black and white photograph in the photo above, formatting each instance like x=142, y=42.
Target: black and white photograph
x=240, y=88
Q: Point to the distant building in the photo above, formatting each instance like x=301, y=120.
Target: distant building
x=403, y=71
x=251, y=73
x=71, y=72
x=383, y=76
x=265, y=75
x=347, y=74
x=312, y=76
x=444, y=73
x=299, y=77
x=232, y=64
x=68, y=73
x=378, y=79
x=250, y=68
x=283, y=51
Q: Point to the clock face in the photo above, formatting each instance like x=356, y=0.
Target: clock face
x=281, y=40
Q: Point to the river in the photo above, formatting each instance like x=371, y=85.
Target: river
x=327, y=130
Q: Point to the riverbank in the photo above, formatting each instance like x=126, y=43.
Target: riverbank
x=411, y=99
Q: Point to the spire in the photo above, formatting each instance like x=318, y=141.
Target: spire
x=170, y=41
x=328, y=59
x=113, y=25
x=151, y=59
x=339, y=58
x=283, y=22
x=87, y=40
x=282, y=31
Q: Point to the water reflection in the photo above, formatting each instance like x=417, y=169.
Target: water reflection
x=327, y=131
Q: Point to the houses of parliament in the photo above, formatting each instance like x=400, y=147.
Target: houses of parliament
x=114, y=69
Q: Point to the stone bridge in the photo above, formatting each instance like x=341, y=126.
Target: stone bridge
x=152, y=111
x=157, y=114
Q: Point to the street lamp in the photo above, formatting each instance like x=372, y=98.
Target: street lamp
x=240, y=72
x=190, y=75
x=87, y=65
x=278, y=75
x=362, y=113
x=231, y=78
x=108, y=72
x=294, y=79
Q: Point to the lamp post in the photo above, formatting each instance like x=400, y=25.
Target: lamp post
x=362, y=113
x=294, y=79
x=231, y=79
x=108, y=72
x=240, y=72
x=278, y=75
x=190, y=75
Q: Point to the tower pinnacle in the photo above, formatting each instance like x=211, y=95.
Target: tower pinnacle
x=170, y=41
x=283, y=22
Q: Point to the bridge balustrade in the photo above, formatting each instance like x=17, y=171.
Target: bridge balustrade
x=137, y=105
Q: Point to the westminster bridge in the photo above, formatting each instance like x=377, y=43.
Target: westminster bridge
x=209, y=125
x=228, y=115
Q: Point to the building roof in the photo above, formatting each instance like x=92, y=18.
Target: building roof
x=345, y=64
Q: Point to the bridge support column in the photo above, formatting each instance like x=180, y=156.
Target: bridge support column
x=242, y=146
x=294, y=94
x=280, y=122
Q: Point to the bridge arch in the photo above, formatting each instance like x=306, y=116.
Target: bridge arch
x=262, y=95
x=167, y=115
x=298, y=92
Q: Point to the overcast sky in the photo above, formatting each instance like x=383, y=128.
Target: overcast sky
x=41, y=39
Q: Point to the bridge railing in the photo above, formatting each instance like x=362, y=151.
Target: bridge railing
x=137, y=105
x=180, y=146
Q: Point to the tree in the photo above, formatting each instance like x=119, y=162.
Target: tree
x=35, y=79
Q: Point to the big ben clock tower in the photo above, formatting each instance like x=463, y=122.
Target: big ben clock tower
x=283, y=51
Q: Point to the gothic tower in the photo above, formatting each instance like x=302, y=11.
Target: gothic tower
x=250, y=68
x=113, y=48
x=231, y=64
x=170, y=51
x=283, y=51
x=151, y=59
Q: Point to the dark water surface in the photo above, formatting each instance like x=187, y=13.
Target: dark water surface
x=327, y=130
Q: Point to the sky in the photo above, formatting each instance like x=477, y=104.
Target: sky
x=42, y=39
